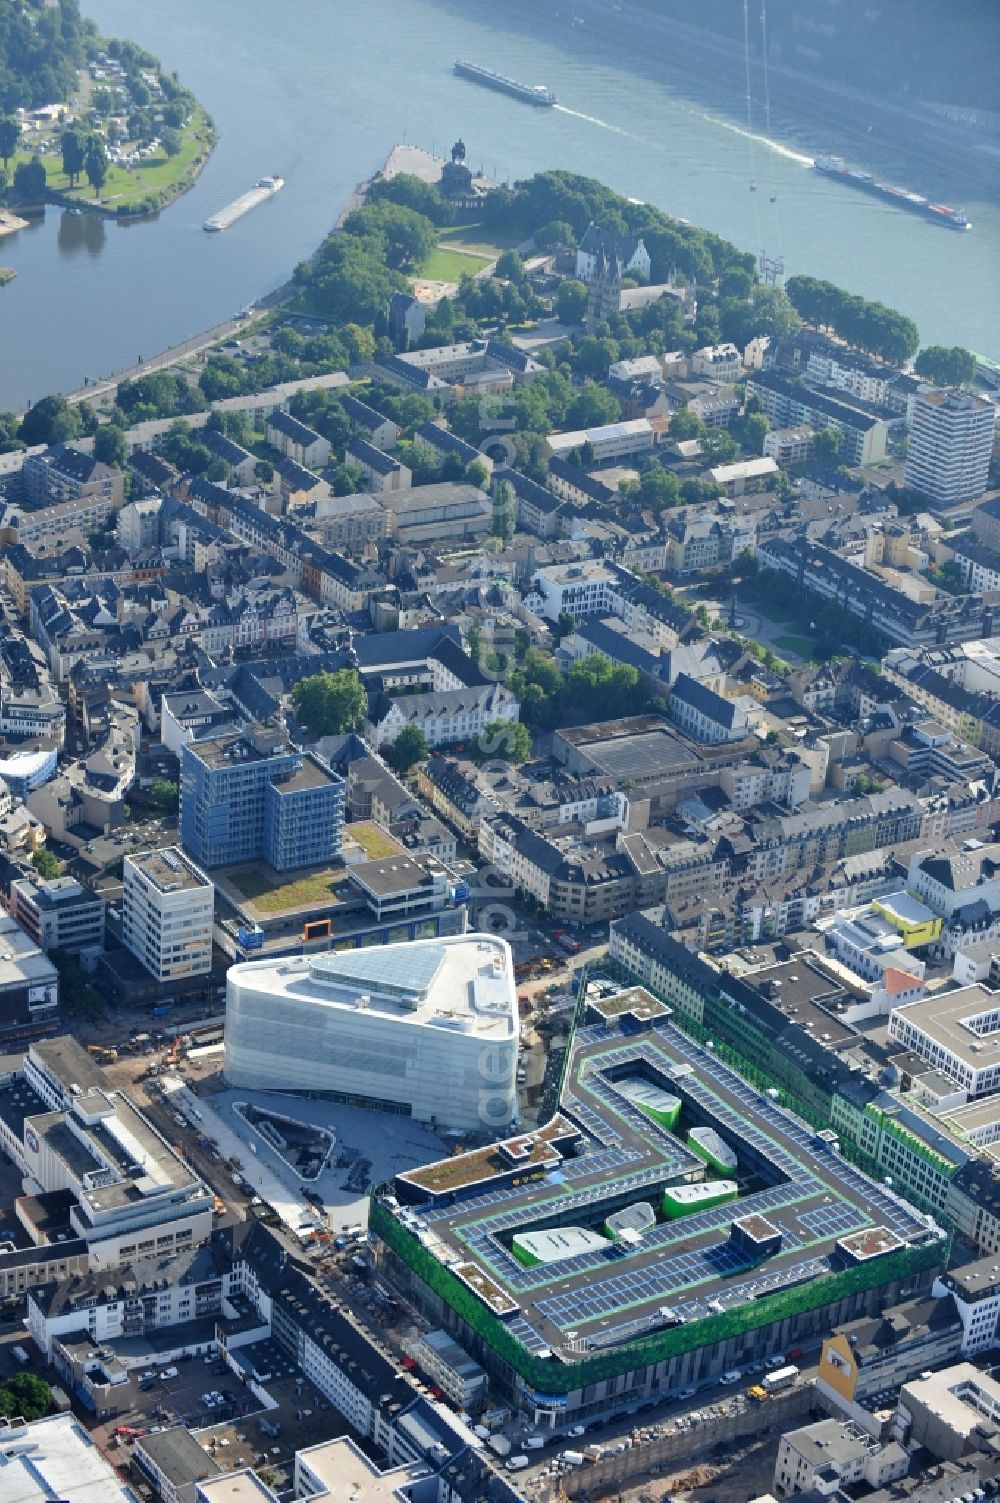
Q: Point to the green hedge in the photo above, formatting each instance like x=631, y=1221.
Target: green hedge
x=563, y=1377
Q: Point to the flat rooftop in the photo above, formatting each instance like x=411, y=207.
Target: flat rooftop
x=109, y=1148
x=236, y=1487
x=309, y=774
x=56, y=1458
x=169, y=869
x=828, y=1213
x=643, y=755
x=959, y=1022
x=464, y=983
x=348, y=1473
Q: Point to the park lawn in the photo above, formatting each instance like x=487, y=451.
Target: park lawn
x=489, y=243
x=156, y=174
x=804, y=646
x=271, y=897
x=451, y=266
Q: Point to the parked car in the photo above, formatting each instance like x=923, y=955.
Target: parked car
x=732, y=1376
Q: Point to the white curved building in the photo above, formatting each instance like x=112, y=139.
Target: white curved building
x=429, y=1029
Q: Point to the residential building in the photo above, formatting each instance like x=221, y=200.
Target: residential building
x=835, y=1453
x=294, y=440
x=407, y=319
x=746, y=475
x=59, y=914
x=789, y=445
x=949, y=877
x=30, y=707
x=974, y=1288
x=898, y=617
x=454, y=794
x=399, y=1028
x=442, y=442
x=379, y=430
x=718, y=362
x=874, y=1355
x=379, y=472
x=704, y=715
x=790, y=404
x=452, y=1370
x=951, y=441
x=980, y=565
x=253, y=796
x=242, y=464
x=61, y=474
x=168, y=912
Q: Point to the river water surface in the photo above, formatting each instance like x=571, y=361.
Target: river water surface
x=319, y=90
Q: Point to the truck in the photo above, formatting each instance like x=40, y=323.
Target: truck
x=757, y=1393
x=500, y=1444
x=783, y=1378
x=517, y=1463
x=572, y=1458
x=593, y=1452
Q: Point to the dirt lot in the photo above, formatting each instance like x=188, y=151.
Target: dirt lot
x=733, y=1479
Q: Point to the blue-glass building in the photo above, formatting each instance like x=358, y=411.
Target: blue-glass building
x=252, y=796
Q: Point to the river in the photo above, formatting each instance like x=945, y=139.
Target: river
x=318, y=90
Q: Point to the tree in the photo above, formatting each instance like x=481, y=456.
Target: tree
x=409, y=748
x=45, y=864
x=96, y=164
x=166, y=794
x=51, y=421
x=26, y=1396
x=686, y=424
x=659, y=488
x=565, y=623
x=171, y=140
x=946, y=367
x=401, y=236
x=553, y=235
x=477, y=473
x=510, y=265
x=347, y=478
x=825, y=446
x=593, y=407
x=571, y=301
x=753, y=430
x=413, y=193
x=330, y=703
x=506, y=738
x=110, y=445
x=73, y=154
x=718, y=446
x=30, y=180
x=10, y=134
